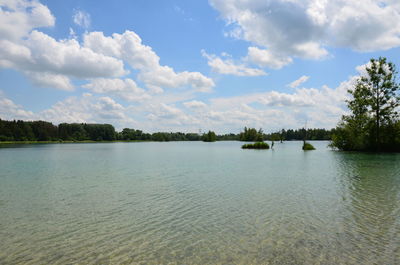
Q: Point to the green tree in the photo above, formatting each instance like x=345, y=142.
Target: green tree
x=209, y=137
x=373, y=116
x=251, y=135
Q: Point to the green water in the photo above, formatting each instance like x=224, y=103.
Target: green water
x=197, y=203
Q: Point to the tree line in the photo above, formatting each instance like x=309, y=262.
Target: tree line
x=18, y=130
x=46, y=131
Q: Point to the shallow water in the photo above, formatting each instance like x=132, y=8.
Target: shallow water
x=197, y=203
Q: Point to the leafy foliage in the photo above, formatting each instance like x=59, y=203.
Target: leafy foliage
x=209, y=137
x=289, y=135
x=308, y=146
x=373, y=124
x=251, y=135
x=257, y=145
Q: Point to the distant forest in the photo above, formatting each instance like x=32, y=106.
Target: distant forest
x=46, y=131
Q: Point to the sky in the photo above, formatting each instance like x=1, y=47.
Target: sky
x=177, y=65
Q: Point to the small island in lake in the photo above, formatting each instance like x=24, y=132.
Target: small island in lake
x=257, y=145
x=308, y=146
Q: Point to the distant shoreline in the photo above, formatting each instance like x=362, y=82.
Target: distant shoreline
x=122, y=141
x=71, y=142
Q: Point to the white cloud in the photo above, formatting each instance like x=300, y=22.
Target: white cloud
x=274, y=110
x=298, y=82
x=228, y=67
x=50, y=80
x=46, y=61
x=195, y=104
x=81, y=18
x=305, y=29
x=11, y=111
x=24, y=48
x=126, y=89
x=69, y=58
x=129, y=47
x=169, y=115
x=266, y=58
x=88, y=109
x=19, y=17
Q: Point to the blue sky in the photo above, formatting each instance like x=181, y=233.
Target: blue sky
x=189, y=65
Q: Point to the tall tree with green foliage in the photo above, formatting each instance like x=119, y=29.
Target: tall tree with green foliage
x=251, y=135
x=209, y=137
x=373, y=123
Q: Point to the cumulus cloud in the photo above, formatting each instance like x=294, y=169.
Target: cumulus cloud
x=11, y=111
x=81, y=18
x=46, y=61
x=129, y=47
x=169, y=115
x=273, y=110
x=195, y=104
x=19, y=17
x=286, y=29
x=126, y=89
x=298, y=82
x=86, y=108
x=89, y=109
x=69, y=57
x=228, y=67
x=24, y=48
x=50, y=80
x=264, y=57
x=39, y=54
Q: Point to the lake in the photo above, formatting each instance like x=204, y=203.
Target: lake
x=197, y=203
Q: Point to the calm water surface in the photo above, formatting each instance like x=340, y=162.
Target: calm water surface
x=197, y=203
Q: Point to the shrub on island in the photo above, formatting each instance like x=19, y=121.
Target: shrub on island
x=308, y=146
x=258, y=145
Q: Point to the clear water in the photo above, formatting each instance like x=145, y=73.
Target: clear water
x=197, y=203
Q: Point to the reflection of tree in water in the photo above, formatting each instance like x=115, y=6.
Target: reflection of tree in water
x=370, y=189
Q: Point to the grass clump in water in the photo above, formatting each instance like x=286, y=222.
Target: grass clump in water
x=308, y=146
x=258, y=145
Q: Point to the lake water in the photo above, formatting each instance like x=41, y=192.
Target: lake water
x=197, y=203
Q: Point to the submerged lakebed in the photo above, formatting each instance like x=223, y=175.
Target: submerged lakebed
x=197, y=203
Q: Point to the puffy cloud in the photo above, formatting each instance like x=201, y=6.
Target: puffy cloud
x=35, y=53
x=129, y=47
x=167, y=115
x=46, y=61
x=288, y=29
x=69, y=58
x=299, y=81
x=19, y=17
x=126, y=89
x=228, y=67
x=81, y=18
x=275, y=110
x=46, y=79
x=77, y=109
x=9, y=110
x=195, y=104
x=266, y=58
x=90, y=109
